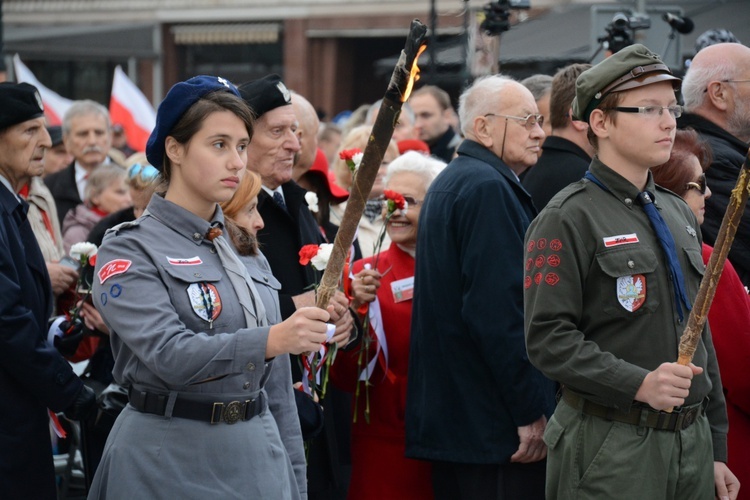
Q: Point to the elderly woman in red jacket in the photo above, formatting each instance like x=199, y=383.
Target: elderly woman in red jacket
x=386, y=281
x=729, y=316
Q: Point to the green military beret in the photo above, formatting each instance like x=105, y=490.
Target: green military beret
x=632, y=67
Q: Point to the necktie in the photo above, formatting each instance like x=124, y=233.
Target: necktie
x=280, y=201
x=252, y=305
x=667, y=244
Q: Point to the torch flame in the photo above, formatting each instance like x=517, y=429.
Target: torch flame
x=413, y=74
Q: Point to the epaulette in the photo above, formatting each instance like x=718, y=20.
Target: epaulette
x=123, y=226
x=667, y=191
x=566, y=193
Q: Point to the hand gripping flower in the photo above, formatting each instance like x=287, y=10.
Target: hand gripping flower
x=316, y=365
x=69, y=328
x=365, y=366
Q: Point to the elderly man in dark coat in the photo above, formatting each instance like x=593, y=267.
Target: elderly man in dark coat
x=475, y=407
x=33, y=375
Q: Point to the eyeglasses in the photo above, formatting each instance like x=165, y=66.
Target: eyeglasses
x=735, y=81
x=650, y=111
x=147, y=172
x=528, y=121
x=700, y=186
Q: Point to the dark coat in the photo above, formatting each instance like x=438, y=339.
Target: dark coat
x=445, y=147
x=562, y=162
x=33, y=375
x=64, y=189
x=728, y=156
x=470, y=384
x=281, y=238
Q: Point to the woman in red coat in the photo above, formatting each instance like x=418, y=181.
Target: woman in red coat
x=386, y=282
x=729, y=316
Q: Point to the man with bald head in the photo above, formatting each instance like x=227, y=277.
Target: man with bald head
x=716, y=91
x=308, y=124
x=475, y=406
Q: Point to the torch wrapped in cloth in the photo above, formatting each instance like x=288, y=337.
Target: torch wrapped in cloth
x=727, y=231
x=404, y=75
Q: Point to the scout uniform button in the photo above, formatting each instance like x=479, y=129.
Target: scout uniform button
x=628, y=202
x=250, y=367
x=246, y=385
x=631, y=264
x=197, y=236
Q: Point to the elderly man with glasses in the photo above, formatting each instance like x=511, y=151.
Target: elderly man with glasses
x=475, y=407
x=716, y=90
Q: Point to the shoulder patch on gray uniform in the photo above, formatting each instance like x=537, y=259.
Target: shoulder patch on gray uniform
x=122, y=226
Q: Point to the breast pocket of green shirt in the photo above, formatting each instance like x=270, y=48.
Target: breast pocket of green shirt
x=628, y=285
x=694, y=272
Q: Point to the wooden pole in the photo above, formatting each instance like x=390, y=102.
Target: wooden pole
x=727, y=231
x=382, y=131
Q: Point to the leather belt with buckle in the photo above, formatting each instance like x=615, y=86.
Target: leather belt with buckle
x=679, y=419
x=229, y=412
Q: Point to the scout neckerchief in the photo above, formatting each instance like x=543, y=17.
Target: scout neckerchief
x=665, y=239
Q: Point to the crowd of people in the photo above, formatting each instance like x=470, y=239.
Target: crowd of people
x=508, y=318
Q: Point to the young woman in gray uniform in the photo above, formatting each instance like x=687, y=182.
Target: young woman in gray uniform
x=211, y=411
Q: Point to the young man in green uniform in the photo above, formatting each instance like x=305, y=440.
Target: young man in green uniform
x=613, y=265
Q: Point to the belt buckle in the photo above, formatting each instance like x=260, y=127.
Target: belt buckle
x=689, y=417
x=233, y=412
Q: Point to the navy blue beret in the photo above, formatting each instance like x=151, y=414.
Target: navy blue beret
x=265, y=94
x=179, y=99
x=20, y=102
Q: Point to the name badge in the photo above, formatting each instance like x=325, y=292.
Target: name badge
x=403, y=289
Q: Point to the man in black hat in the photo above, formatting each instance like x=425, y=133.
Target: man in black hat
x=33, y=375
x=613, y=265
x=289, y=225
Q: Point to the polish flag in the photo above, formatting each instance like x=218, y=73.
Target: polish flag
x=55, y=105
x=130, y=108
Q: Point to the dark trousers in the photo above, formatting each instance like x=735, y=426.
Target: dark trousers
x=455, y=481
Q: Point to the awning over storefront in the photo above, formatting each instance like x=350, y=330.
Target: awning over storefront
x=226, y=33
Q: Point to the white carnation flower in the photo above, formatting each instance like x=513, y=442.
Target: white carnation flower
x=320, y=261
x=83, y=251
x=312, y=201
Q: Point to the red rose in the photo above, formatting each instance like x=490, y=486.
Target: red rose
x=306, y=253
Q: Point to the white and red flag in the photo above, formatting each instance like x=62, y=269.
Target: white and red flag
x=130, y=108
x=55, y=105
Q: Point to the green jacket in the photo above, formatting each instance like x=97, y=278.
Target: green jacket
x=599, y=303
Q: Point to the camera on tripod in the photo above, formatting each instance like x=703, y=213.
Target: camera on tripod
x=621, y=31
x=496, y=15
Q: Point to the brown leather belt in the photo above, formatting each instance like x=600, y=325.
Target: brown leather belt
x=679, y=419
x=213, y=412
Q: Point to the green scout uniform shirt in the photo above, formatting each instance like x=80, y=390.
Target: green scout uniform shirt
x=599, y=305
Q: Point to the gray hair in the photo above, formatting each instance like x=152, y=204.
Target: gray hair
x=101, y=178
x=413, y=162
x=473, y=101
x=84, y=108
x=539, y=85
x=697, y=78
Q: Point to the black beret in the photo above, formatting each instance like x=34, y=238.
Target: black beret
x=265, y=94
x=19, y=102
x=55, y=133
x=179, y=99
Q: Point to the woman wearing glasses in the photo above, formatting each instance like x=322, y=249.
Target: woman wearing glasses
x=729, y=316
x=386, y=282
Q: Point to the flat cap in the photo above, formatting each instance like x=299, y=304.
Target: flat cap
x=265, y=94
x=19, y=102
x=178, y=100
x=632, y=67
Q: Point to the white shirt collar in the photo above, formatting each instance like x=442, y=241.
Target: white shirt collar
x=271, y=191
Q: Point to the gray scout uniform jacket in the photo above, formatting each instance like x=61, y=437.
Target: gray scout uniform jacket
x=599, y=305
x=177, y=329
